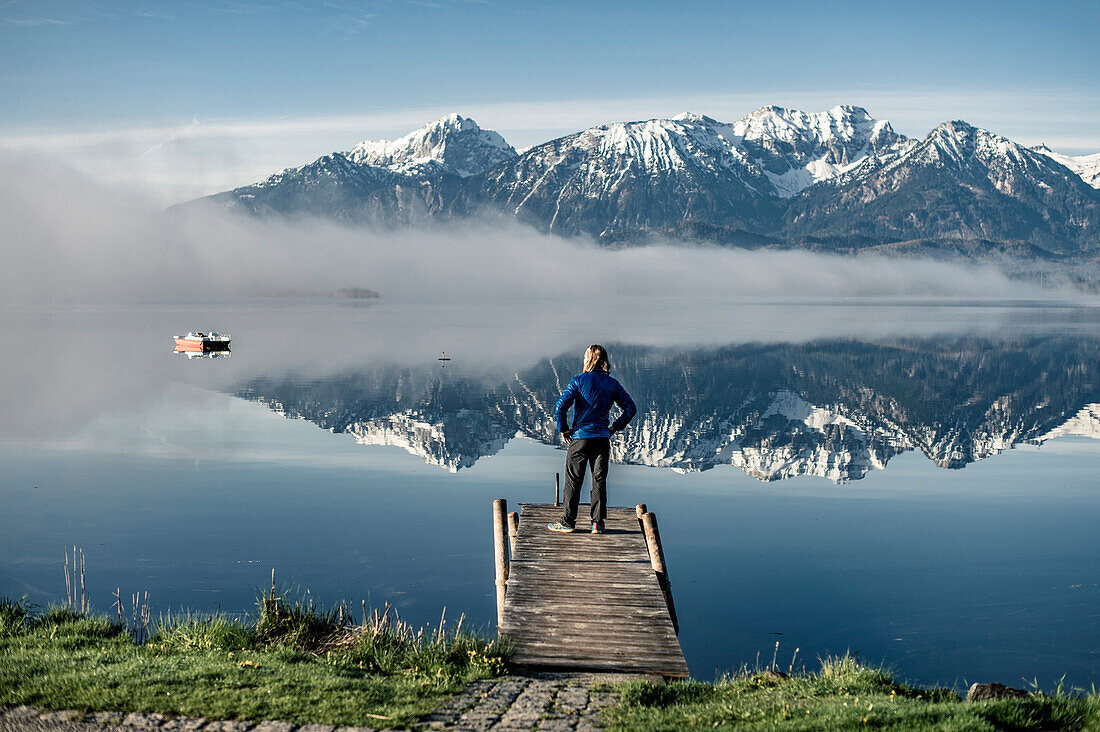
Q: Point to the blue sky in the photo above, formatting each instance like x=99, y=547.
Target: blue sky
x=216, y=92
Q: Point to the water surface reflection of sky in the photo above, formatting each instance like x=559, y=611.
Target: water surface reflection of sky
x=174, y=485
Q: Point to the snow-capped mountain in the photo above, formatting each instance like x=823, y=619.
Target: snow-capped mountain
x=834, y=410
x=834, y=180
x=328, y=185
x=960, y=182
x=453, y=144
x=688, y=175
x=382, y=182
x=1086, y=166
x=797, y=149
x=631, y=177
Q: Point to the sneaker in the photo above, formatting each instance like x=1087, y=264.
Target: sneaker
x=597, y=528
x=560, y=528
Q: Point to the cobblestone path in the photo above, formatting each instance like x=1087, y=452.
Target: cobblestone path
x=551, y=702
x=547, y=701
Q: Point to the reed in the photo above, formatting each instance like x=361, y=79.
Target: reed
x=74, y=582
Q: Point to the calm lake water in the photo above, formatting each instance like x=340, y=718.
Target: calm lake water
x=915, y=481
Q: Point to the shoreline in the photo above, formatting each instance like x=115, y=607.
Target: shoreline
x=298, y=666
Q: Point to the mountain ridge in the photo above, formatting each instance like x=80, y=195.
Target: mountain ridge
x=839, y=179
x=835, y=409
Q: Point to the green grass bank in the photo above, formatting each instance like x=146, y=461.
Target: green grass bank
x=292, y=662
x=842, y=695
x=295, y=662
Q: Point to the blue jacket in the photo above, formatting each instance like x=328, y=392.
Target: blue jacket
x=591, y=396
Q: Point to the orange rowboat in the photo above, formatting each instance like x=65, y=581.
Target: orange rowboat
x=198, y=342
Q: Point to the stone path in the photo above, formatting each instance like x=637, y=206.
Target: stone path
x=553, y=702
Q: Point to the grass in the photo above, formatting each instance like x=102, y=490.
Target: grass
x=296, y=662
x=293, y=662
x=842, y=695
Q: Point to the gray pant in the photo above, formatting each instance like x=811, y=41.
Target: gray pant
x=586, y=451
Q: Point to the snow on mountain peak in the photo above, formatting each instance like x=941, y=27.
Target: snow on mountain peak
x=662, y=145
x=792, y=149
x=695, y=118
x=956, y=143
x=1086, y=166
x=797, y=149
x=452, y=144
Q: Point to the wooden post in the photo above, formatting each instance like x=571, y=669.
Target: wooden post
x=657, y=559
x=641, y=511
x=557, y=489
x=513, y=529
x=500, y=554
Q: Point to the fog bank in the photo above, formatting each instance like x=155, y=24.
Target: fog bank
x=69, y=239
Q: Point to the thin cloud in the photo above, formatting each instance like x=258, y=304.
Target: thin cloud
x=34, y=22
x=174, y=136
x=1045, y=109
x=221, y=154
x=154, y=15
x=359, y=22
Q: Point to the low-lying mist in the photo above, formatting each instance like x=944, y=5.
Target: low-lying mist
x=95, y=281
x=68, y=239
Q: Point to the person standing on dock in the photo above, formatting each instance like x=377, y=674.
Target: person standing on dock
x=591, y=394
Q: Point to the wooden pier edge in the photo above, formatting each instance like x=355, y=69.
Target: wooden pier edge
x=581, y=601
x=500, y=554
x=657, y=559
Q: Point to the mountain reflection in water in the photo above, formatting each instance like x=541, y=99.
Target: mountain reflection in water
x=834, y=409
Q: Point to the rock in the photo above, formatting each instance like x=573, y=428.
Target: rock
x=229, y=725
x=184, y=723
x=272, y=726
x=143, y=719
x=64, y=715
x=987, y=692
x=105, y=717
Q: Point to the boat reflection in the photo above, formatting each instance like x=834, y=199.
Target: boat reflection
x=835, y=409
x=199, y=354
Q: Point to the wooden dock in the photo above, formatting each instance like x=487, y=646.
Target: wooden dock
x=586, y=601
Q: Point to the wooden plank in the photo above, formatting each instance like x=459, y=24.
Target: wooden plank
x=579, y=613
x=624, y=666
x=593, y=642
x=556, y=654
x=552, y=583
x=606, y=600
x=670, y=668
x=587, y=601
x=585, y=649
x=530, y=654
x=555, y=584
x=576, y=619
x=556, y=649
x=592, y=604
x=592, y=600
x=574, y=577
